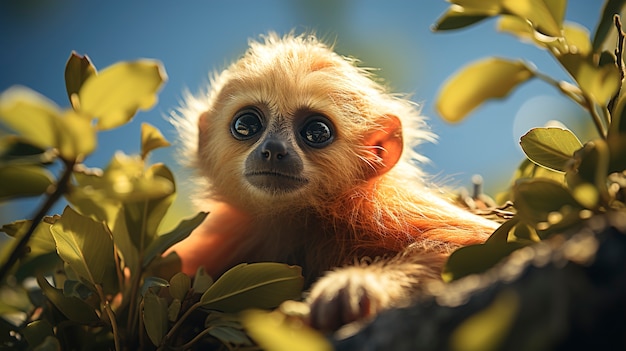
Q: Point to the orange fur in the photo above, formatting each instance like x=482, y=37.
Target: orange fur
x=361, y=199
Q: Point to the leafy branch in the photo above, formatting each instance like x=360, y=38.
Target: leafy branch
x=104, y=282
x=564, y=181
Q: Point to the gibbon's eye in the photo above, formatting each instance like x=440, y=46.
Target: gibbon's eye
x=317, y=132
x=247, y=123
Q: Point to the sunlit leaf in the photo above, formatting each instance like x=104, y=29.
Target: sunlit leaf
x=605, y=25
x=600, y=83
x=25, y=180
x=487, y=6
x=259, y=285
x=550, y=147
x=117, y=92
x=577, y=38
x=155, y=317
x=163, y=242
x=457, y=17
x=151, y=138
x=557, y=9
x=77, y=136
x=488, y=328
x=486, y=79
x=84, y=245
x=157, y=207
x=273, y=332
x=537, y=13
x=126, y=180
x=31, y=115
x=77, y=69
x=72, y=307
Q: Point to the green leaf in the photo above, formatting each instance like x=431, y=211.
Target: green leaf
x=50, y=343
x=457, y=17
x=605, y=25
x=544, y=203
x=31, y=115
x=501, y=235
x=151, y=138
x=486, y=79
x=487, y=6
x=201, y=281
x=37, y=331
x=230, y=336
x=273, y=331
x=143, y=217
x=41, y=123
x=258, y=285
x=475, y=259
x=41, y=242
x=84, y=244
x=551, y=148
x=25, y=180
x=173, y=310
x=577, y=38
x=155, y=317
x=125, y=180
x=72, y=307
x=77, y=69
x=77, y=136
x=618, y=122
x=163, y=242
x=15, y=151
x=117, y=92
x=538, y=13
x=599, y=83
x=180, y=284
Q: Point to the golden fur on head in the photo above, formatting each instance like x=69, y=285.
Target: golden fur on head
x=287, y=75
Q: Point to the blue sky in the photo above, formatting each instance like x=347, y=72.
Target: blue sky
x=194, y=37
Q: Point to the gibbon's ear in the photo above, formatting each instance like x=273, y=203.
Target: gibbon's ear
x=386, y=145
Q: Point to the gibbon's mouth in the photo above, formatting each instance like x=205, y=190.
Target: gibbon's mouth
x=275, y=182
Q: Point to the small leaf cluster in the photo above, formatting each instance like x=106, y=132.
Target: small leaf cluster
x=95, y=276
x=563, y=181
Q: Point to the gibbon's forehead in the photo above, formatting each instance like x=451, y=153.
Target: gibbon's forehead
x=294, y=74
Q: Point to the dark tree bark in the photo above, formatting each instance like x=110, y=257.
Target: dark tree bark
x=569, y=294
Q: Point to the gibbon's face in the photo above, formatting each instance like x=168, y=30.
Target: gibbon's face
x=289, y=121
x=276, y=158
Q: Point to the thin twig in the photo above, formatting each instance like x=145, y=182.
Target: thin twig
x=619, y=53
x=178, y=324
x=60, y=189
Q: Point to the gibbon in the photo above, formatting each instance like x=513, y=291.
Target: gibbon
x=304, y=159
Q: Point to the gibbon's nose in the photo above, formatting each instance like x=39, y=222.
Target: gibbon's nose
x=273, y=149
